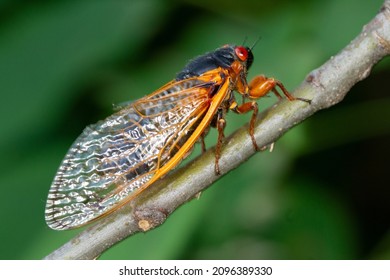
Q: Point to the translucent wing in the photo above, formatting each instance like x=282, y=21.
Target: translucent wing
x=113, y=158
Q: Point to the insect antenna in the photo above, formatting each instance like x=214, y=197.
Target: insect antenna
x=244, y=42
x=255, y=43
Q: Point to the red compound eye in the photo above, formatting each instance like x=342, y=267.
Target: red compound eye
x=242, y=53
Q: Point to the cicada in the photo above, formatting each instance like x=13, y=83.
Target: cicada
x=114, y=160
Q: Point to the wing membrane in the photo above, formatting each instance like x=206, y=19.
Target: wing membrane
x=117, y=156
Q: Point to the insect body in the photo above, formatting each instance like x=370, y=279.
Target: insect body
x=114, y=160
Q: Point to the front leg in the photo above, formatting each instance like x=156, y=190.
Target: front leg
x=256, y=89
x=261, y=85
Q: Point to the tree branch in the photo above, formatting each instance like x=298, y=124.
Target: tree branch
x=325, y=86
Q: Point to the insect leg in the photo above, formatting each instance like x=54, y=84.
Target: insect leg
x=221, y=123
x=261, y=85
x=244, y=108
x=203, y=144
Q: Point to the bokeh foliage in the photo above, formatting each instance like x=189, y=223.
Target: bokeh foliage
x=323, y=193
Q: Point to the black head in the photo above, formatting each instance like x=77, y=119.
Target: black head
x=226, y=55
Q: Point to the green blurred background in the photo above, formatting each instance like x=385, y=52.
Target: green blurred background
x=323, y=193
